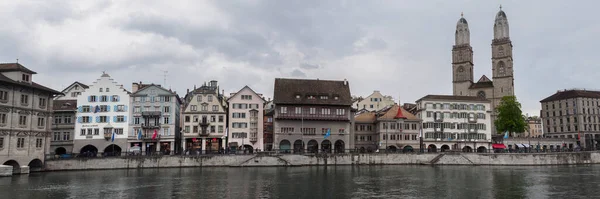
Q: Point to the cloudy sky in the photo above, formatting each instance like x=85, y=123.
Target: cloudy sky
x=402, y=48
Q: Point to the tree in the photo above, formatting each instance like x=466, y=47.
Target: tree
x=510, y=117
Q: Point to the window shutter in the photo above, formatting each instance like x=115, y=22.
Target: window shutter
x=97, y=119
x=110, y=98
x=116, y=108
x=79, y=119
x=89, y=98
x=80, y=109
x=108, y=108
x=114, y=118
x=125, y=107
x=124, y=118
x=116, y=96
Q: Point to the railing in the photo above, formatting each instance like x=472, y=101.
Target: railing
x=150, y=126
x=151, y=114
x=293, y=116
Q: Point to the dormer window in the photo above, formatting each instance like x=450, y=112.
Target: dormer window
x=297, y=96
x=25, y=77
x=324, y=97
x=76, y=87
x=310, y=97
x=335, y=97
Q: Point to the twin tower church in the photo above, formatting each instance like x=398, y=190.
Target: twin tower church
x=502, y=82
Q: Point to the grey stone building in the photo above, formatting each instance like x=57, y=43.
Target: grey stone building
x=502, y=83
x=25, y=112
x=305, y=110
x=573, y=114
x=156, y=110
x=63, y=122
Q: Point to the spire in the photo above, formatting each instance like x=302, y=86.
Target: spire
x=501, y=25
x=500, y=6
x=462, y=34
x=399, y=115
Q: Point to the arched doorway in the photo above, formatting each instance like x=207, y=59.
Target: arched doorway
x=407, y=148
x=362, y=149
x=248, y=149
x=60, y=151
x=313, y=146
x=298, y=146
x=112, y=150
x=88, y=151
x=391, y=148
x=326, y=146
x=15, y=165
x=284, y=146
x=369, y=149
x=445, y=148
x=467, y=149
x=35, y=165
x=339, y=146
x=432, y=148
x=481, y=149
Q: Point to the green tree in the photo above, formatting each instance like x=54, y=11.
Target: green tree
x=510, y=117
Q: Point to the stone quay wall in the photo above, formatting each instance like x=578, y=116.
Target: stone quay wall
x=322, y=160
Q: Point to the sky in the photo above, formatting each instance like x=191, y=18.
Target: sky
x=401, y=48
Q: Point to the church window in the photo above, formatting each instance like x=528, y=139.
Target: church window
x=481, y=94
x=501, y=69
x=460, y=76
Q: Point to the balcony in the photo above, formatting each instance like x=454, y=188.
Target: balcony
x=306, y=116
x=253, y=139
x=472, y=120
x=204, y=123
x=439, y=119
x=150, y=126
x=151, y=114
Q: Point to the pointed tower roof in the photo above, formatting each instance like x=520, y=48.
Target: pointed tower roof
x=501, y=29
x=399, y=115
x=463, y=36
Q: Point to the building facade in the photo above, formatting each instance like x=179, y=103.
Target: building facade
x=102, y=109
x=455, y=123
x=154, y=126
x=205, y=120
x=268, y=129
x=502, y=83
x=390, y=129
x=312, y=116
x=534, y=127
x=573, y=114
x=25, y=112
x=64, y=116
x=246, y=114
x=374, y=102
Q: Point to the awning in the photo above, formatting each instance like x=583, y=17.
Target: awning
x=526, y=145
x=498, y=146
x=520, y=146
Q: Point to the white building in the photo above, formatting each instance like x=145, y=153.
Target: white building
x=457, y=123
x=205, y=120
x=246, y=120
x=374, y=102
x=102, y=109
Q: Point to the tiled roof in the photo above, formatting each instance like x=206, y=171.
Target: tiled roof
x=392, y=112
x=32, y=85
x=568, y=94
x=453, y=98
x=64, y=105
x=287, y=90
x=8, y=67
x=368, y=117
x=80, y=84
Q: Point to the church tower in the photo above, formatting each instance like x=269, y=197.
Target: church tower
x=462, y=59
x=502, y=60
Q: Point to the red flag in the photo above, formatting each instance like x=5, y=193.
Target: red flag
x=578, y=135
x=154, y=135
x=193, y=139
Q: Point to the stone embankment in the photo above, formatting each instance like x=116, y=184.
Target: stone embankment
x=322, y=160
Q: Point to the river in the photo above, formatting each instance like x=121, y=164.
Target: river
x=311, y=182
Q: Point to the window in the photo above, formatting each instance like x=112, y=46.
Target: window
x=118, y=131
x=104, y=108
x=312, y=111
x=324, y=97
x=120, y=108
x=194, y=107
x=85, y=119
x=220, y=118
x=220, y=129
x=24, y=99
x=42, y=102
x=204, y=107
x=283, y=109
x=20, y=142
x=1, y=142
x=166, y=120
x=215, y=108
x=25, y=77
x=187, y=118
x=3, y=96
x=3, y=118
x=167, y=98
x=340, y=111
x=298, y=110
x=96, y=131
x=102, y=119
x=100, y=89
x=247, y=97
x=120, y=118
x=56, y=136
x=57, y=119
x=66, y=136
x=104, y=98
x=167, y=109
x=85, y=109
x=23, y=120
x=82, y=132
x=212, y=129
x=41, y=121
x=38, y=143
x=199, y=98
x=325, y=111
x=187, y=129
x=107, y=90
x=210, y=98
x=213, y=118
x=287, y=130
x=75, y=94
x=92, y=98
x=114, y=98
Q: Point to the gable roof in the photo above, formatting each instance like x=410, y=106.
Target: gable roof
x=368, y=117
x=392, y=113
x=286, y=90
x=146, y=86
x=568, y=94
x=64, y=105
x=483, y=82
x=255, y=93
x=9, y=67
x=32, y=85
x=76, y=82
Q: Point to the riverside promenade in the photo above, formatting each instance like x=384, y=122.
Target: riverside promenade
x=474, y=159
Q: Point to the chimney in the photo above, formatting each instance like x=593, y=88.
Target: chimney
x=345, y=82
x=134, y=87
x=188, y=91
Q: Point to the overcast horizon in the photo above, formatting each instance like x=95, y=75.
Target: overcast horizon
x=400, y=48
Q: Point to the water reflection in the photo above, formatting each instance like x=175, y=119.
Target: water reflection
x=311, y=182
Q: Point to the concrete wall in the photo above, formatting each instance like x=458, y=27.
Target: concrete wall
x=311, y=160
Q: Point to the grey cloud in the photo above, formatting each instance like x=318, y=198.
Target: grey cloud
x=309, y=66
x=297, y=73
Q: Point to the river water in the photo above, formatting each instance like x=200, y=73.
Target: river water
x=312, y=182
